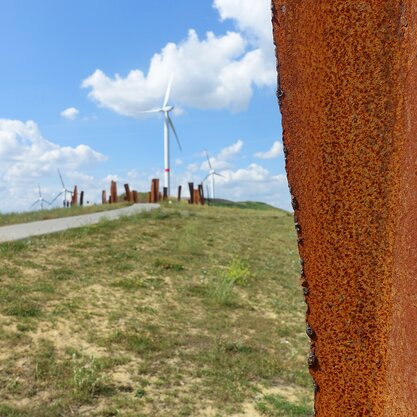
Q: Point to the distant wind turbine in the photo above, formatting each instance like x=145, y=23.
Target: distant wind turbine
x=211, y=174
x=40, y=200
x=63, y=192
x=166, y=109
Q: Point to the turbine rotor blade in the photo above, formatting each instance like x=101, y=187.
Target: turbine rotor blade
x=168, y=92
x=219, y=175
x=151, y=111
x=208, y=159
x=62, y=181
x=173, y=129
x=206, y=177
x=53, y=201
x=34, y=204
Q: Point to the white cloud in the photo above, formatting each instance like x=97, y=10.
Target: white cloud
x=251, y=16
x=178, y=162
x=222, y=159
x=194, y=167
x=253, y=173
x=230, y=151
x=274, y=152
x=254, y=183
x=27, y=158
x=70, y=113
x=215, y=72
x=250, y=183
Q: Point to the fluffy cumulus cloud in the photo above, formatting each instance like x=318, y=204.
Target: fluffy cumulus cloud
x=274, y=152
x=27, y=158
x=240, y=183
x=251, y=183
x=70, y=113
x=251, y=16
x=223, y=159
x=211, y=72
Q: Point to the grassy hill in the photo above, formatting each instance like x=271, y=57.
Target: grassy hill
x=184, y=311
x=254, y=205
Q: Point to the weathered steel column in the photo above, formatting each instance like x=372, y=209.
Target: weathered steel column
x=348, y=96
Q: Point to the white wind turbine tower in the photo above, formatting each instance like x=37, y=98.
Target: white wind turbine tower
x=40, y=200
x=166, y=109
x=211, y=174
x=64, y=191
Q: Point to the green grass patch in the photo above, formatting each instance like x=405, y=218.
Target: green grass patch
x=277, y=406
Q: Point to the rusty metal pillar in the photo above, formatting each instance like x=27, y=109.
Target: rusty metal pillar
x=155, y=190
x=103, y=197
x=191, y=188
x=113, y=192
x=128, y=196
x=201, y=194
x=135, y=196
x=348, y=96
x=74, y=199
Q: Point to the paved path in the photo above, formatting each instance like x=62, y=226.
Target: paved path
x=43, y=227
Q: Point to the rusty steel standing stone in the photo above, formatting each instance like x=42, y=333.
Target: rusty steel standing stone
x=128, y=196
x=348, y=96
x=74, y=199
x=113, y=191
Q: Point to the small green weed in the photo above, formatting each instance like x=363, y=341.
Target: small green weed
x=238, y=271
x=88, y=378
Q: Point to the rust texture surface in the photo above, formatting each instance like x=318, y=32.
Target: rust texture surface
x=348, y=96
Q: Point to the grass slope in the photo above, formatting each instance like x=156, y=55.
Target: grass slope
x=185, y=311
x=254, y=205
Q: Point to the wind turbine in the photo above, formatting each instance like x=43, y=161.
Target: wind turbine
x=40, y=200
x=166, y=109
x=64, y=191
x=212, y=173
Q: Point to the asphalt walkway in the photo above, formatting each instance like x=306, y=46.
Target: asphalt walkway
x=43, y=227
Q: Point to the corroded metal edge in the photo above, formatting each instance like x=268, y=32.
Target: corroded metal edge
x=347, y=85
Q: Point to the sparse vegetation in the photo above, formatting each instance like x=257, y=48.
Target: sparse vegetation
x=185, y=311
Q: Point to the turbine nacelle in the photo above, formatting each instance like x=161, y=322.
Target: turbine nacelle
x=167, y=109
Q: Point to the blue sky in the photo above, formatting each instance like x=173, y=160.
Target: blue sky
x=75, y=76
